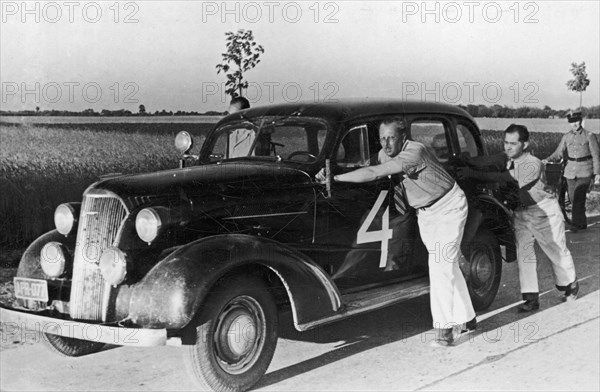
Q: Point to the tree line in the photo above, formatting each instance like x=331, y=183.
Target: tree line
x=474, y=110
x=106, y=113
x=525, y=111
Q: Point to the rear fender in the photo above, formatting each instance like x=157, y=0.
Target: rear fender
x=172, y=292
x=491, y=214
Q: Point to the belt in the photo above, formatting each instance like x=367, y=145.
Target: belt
x=582, y=159
x=434, y=201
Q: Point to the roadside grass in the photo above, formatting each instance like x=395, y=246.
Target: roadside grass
x=43, y=166
x=541, y=144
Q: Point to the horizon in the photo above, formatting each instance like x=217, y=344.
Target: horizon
x=112, y=56
x=152, y=113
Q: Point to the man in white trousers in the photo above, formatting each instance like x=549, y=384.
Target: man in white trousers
x=538, y=217
x=441, y=214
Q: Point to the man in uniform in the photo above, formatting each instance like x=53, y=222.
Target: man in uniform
x=537, y=217
x=583, y=164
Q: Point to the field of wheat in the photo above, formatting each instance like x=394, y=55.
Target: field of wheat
x=43, y=166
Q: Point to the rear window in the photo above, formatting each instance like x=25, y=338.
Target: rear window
x=433, y=135
x=466, y=141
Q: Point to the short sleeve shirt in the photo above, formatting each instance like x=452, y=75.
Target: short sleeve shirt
x=425, y=179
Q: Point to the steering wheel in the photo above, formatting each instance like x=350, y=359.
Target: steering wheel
x=306, y=153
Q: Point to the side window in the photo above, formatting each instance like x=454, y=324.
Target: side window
x=354, y=149
x=234, y=143
x=466, y=141
x=240, y=142
x=433, y=135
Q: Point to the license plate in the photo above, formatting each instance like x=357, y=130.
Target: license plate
x=35, y=289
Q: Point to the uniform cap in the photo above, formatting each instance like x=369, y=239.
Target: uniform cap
x=574, y=116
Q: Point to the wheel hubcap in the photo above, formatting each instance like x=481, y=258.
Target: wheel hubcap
x=239, y=335
x=481, y=269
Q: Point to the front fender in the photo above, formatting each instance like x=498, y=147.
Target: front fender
x=29, y=266
x=172, y=292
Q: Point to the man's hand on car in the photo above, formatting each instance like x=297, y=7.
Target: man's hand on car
x=321, y=176
x=464, y=172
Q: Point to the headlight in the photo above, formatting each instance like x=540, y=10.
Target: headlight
x=113, y=266
x=65, y=217
x=147, y=224
x=183, y=142
x=53, y=259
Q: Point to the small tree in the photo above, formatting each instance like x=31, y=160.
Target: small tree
x=142, y=109
x=244, y=53
x=580, y=82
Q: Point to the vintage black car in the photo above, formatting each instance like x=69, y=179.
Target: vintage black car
x=204, y=255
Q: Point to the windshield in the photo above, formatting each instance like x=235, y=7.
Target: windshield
x=295, y=139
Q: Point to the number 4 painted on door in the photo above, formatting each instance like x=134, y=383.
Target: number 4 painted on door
x=383, y=235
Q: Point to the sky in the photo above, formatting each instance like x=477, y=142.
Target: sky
x=72, y=55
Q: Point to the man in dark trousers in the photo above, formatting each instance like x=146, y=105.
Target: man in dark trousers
x=580, y=148
x=536, y=218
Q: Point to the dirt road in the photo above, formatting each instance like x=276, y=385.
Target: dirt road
x=556, y=348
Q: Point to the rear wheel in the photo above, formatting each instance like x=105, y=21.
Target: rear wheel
x=482, y=269
x=236, y=335
x=70, y=347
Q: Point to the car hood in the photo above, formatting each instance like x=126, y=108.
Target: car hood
x=226, y=178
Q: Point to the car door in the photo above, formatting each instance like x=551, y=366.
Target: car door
x=364, y=239
x=436, y=133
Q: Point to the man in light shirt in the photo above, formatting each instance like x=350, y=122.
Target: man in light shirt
x=441, y=214
x=538, y=217
x=237, y=104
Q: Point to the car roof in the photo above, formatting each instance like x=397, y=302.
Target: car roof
x=349, y=109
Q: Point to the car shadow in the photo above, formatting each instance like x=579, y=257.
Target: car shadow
x=412, y=318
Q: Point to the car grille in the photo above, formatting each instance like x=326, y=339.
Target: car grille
x=99, y=222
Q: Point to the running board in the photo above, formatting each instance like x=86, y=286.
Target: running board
x=373, y=299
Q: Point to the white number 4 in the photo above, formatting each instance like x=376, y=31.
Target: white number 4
x=383, y=235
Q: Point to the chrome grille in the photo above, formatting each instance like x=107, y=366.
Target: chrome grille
x=99, y=221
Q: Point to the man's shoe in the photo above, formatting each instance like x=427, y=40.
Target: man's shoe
x=444, y=337
x=572, y=291
x=470, y=326
x=571, y=228
x=529, y=306
x=532, y=302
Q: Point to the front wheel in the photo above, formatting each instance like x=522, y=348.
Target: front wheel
x=236, y=335
x=482, y=269
x=70, y=347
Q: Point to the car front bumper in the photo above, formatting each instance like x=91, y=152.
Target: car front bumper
x=16, y=321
